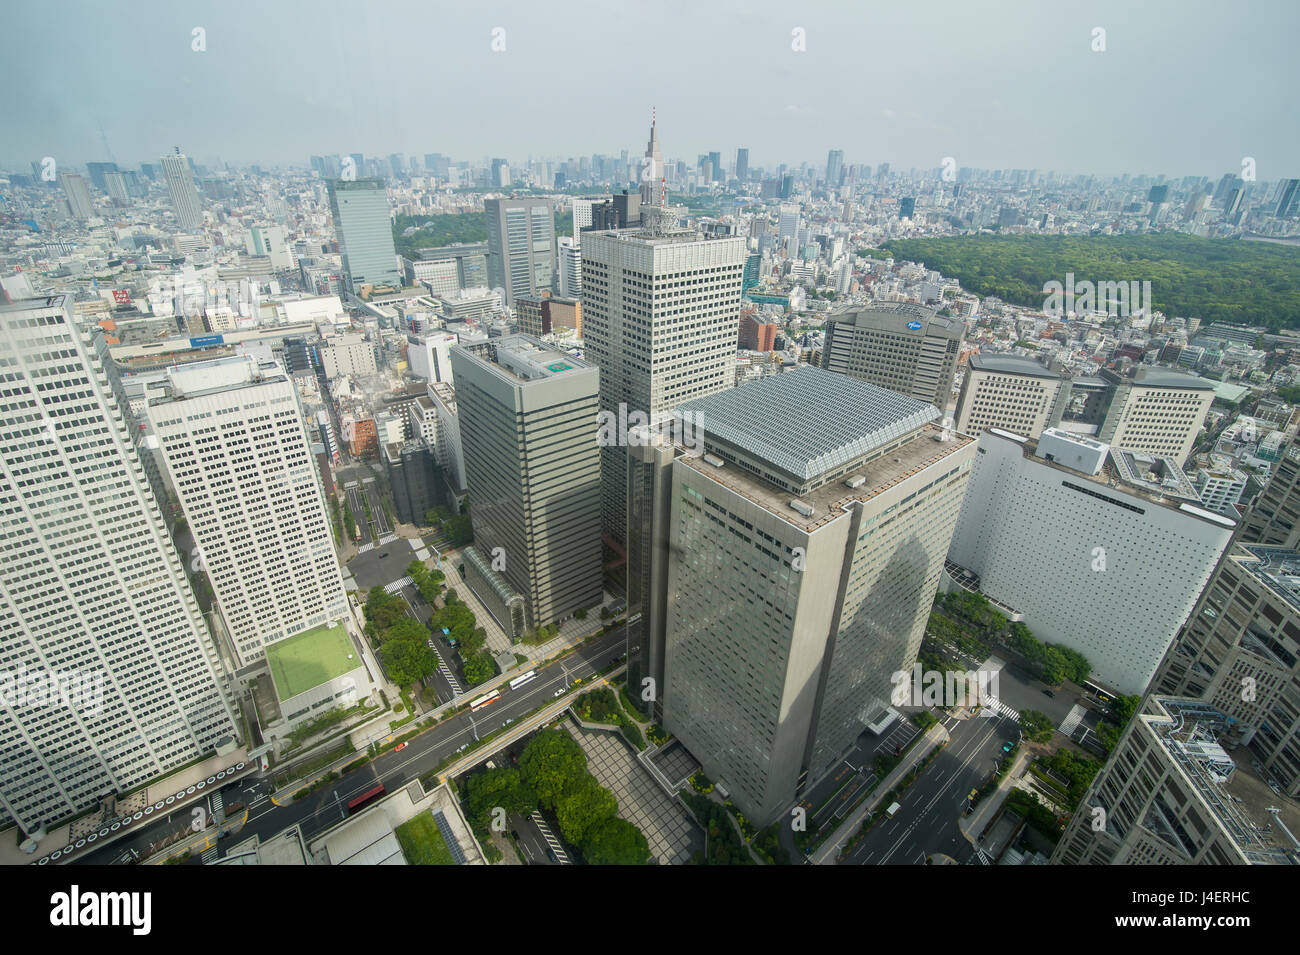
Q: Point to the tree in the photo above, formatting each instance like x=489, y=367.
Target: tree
x=459, y=529
x=549, y=761
x=615, y=841
x=1036, y=726
x=382, y=610
x=581, y=804
x=504, y=788
x=479, y=668
x=407, y=661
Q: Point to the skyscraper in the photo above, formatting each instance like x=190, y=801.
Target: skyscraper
x=742, y=164
x=185, y=195
x=1015, y=394
x=1288, y=198
x=91, y=589
x=834, y=168
x=521, y=246
x=907, y=348
x=807, y=524
x=365, y=233
x=660, y=312
x=527, y=416
x=236, y=448
x=652, y=169
x=74, y=188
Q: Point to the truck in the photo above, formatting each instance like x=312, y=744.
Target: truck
x=893, y=808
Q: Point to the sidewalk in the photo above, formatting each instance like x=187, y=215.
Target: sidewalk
x=973, y=825
x=828, y=853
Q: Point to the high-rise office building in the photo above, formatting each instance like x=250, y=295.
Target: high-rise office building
x=1288, y=198
x=184, y=194
x=788, y=230
x=581, y=217
x=1275, y=517
x=651, y=173
x=236, y=449
x=1096, y=548
x=521, y=246
x=906, y=207
x=742, y=164
x=1015, y=394
x=1173, y=794
x=74, y=188
x=98, y=172
x=660, y=315
x=906, y=348
x=1156, y=412
x=797, y=532
x=571, y=266
x=527, y=417
x=361, y=221
x=93, y=594
x=834, y=168
x=715, y=167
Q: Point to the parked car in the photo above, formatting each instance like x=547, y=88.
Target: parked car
x=462, y=747
x=1049, y=693
x=399, y=747
x=559, y=692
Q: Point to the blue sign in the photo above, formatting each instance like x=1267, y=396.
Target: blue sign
x=914, y=326
x=206, y=341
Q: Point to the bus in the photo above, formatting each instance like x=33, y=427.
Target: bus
x=485, y=700
x=1104, y=698
x=520, y=680
x=365, y=799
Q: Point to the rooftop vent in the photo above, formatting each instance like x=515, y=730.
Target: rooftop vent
x=715, y=461
x=807, y=510
x=856, y=481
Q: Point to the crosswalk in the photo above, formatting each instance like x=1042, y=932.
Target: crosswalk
x=1001, y=709
x=397, y=585
x=560, y=855
x=386, y=539
x=446, y=672
x=1073, y=719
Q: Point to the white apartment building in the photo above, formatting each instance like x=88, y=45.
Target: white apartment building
x=1220, y=489
x=660, y=318
x=236, y=447
x=1007, y=392
x=348, y=355
x=447, y=446
x=428, y=356
x=571, y=265
x=1100, y=549
x=92, y=590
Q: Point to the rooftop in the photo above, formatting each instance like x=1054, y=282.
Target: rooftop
x=1278, y=568
x=807, y=421
x=308, y=659
x=829, y=500
x=1011, y=365
x=524, y=358
x=1164, y=378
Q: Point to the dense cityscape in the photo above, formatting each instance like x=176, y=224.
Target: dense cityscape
x=662, y=506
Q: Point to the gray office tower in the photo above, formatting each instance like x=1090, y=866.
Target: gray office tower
x=110, y=678
x=365, y=232
x=660, y=318
x=521, y=246
x=742, y=164
x=834, y=167
x=528, y=427
x=790, y=535
x=906, y=348
x=184, y=194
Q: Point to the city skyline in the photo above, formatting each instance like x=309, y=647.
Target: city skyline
x=961, y=103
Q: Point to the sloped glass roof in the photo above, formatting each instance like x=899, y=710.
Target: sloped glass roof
x=807, y=421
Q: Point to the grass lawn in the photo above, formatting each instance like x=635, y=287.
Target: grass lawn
x=422, y=843
x=308, y=659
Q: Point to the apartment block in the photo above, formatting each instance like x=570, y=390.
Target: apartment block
x=1015, y=394
x=905, y=348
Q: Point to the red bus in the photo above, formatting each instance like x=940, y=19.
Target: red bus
x=365, y=799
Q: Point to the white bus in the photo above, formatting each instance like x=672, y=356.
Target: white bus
x=519, y=681
x=485, y=700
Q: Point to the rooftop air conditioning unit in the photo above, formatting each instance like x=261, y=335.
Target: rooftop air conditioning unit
x=856, y=481
x=715, y=461
x=807, y=510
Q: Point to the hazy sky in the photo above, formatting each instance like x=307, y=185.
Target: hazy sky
x=1183, y=87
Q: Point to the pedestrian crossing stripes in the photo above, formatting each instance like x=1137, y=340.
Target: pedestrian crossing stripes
x=386, y=539
x=1073, y=719
x=560, y=855
x=1001, y=709
x=397, y=585
x=448, y=675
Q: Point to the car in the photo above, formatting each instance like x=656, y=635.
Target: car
x=399, y=747
x=559, y=692
x=383, y=555
x=507, y=722
x=1049, y=693
x=1007, y=747
x=577, y=681
x=462, y=747
x=973, y=794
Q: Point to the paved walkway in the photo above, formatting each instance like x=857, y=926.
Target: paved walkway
x=971, y=826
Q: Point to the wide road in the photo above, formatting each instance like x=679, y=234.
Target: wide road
x=931, y=807
x=328, y=806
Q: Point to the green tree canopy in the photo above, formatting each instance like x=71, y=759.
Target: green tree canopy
x=615, y=841
x=581, y=804
x=549, y=761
